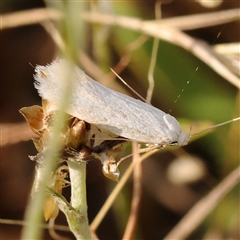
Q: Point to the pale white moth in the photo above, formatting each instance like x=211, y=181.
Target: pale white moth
x=108, y=109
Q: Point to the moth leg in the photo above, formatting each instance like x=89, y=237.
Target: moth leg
x=106, y=152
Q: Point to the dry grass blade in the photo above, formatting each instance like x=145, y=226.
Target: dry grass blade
x=204, y=207
x=23, y=223
x=153, y=61
x=28, y=17
x=108, y=203
x=229, y=54
x=53, y=233
x=137, y=192
x=152, y=28
x=12, y=133
x=196, y=21
x=126, y=57
x=84, y=59
x=170, y=30
x=171, y=35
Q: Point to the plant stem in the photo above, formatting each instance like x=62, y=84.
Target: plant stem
x=78, y=220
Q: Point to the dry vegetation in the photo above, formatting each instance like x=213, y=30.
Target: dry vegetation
x=177, y=193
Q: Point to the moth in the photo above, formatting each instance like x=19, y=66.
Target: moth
x=107, y=109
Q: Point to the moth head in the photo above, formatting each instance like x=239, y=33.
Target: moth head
x=183, y=138
x=174, y=130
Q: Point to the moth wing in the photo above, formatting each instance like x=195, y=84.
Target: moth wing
x=96, y=104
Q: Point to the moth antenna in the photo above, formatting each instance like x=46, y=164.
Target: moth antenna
x=142, y=98
x=31, y=65
x=189, y=134
x=217, y=125
x=193, y=74
x=142, y=150
x=124, y=158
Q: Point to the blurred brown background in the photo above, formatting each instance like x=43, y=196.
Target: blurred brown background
x=163, y=203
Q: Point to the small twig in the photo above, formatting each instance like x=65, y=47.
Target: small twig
x=28, y=17
x=24, y=223
x=229, y=54
x=53, y=233
x=125, y=59
x=85, y=61
x=202, y=20
x=76, y=212
x=171, y=35
x=189, y=22
x=137, y=192
x=108, y=203
x=153, y=57
x=15, y=132
x=228, y=48
x=204, y=207
x=151, y=70
x=165, y=31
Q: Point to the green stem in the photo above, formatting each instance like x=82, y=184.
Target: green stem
x=33, y=213
x=78, y=219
